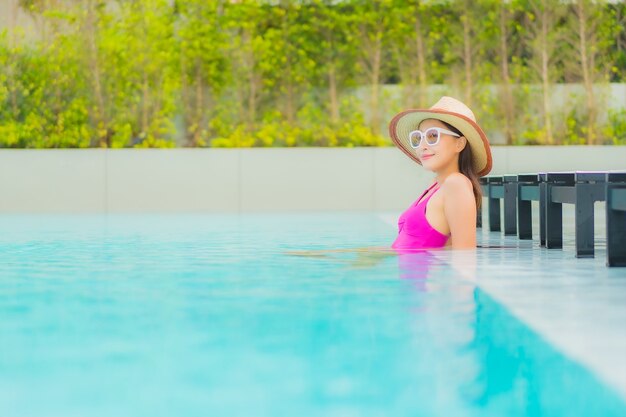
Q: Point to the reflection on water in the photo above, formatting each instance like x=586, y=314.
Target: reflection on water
x=416, y=266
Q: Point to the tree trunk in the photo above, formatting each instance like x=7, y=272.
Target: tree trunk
x=249, y=63
x=144, y=104
x=199, y=105
x=184, y=89
x=289, y=105
x=290, y=88
x=467, y=57
x=509, y=106
x=332, y=92
x=375, y=80
x=407, y=72
x=94, y=64
x=421, y=63
x=252, y=99
x=545, y=76
x=584, y=52
x=11, y=73
x=145, y=85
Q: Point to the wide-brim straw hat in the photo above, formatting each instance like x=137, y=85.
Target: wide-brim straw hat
x=453, y=112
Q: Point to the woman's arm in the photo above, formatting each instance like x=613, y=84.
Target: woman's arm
x=365, y=257
x=315, y=252
x=459, y=207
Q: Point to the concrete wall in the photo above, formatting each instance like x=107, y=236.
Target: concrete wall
x=246, y=180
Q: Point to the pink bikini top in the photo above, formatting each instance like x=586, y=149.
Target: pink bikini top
x=414, y=231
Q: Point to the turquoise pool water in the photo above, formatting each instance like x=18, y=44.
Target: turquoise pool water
x=198, y=315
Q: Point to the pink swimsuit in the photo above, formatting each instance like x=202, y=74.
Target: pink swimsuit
x=414, y=231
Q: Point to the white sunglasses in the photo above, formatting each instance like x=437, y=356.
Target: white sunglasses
x=432, y=135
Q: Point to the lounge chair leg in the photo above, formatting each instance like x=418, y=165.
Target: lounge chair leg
x=554, y=221
x=615, y=228
x=584, y=220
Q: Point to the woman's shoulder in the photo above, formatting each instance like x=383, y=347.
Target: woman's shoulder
x=457, y=190
x=457, y=185
x=456, y=181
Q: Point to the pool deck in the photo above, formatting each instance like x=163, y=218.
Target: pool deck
x=577, y=305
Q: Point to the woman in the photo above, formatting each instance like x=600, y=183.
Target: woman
x=446, y=140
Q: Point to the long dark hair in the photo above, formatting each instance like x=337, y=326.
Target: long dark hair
x=466, y=167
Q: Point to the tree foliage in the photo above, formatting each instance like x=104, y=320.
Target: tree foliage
x=221, y=73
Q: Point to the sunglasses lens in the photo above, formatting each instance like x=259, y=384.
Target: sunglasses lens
x=432, y=136
x=415, y=138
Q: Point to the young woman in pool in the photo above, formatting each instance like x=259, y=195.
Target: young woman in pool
x=446, y=140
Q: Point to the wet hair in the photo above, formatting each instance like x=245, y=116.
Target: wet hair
x=466, y=166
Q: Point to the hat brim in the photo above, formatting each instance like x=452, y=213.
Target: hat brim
x=407, y=121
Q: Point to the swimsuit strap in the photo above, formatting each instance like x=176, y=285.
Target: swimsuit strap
x=426, y=192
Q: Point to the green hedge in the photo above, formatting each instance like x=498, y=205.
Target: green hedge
x=160, y=73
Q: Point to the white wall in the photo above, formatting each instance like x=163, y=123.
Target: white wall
x=246, y=180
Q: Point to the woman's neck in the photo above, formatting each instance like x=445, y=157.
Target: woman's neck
x=442, y=175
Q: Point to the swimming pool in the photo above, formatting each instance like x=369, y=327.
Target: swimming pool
x=196, y=315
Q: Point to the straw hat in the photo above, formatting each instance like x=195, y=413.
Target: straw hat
x=453, y=112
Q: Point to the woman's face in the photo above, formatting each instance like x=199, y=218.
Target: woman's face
x=437, y=157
